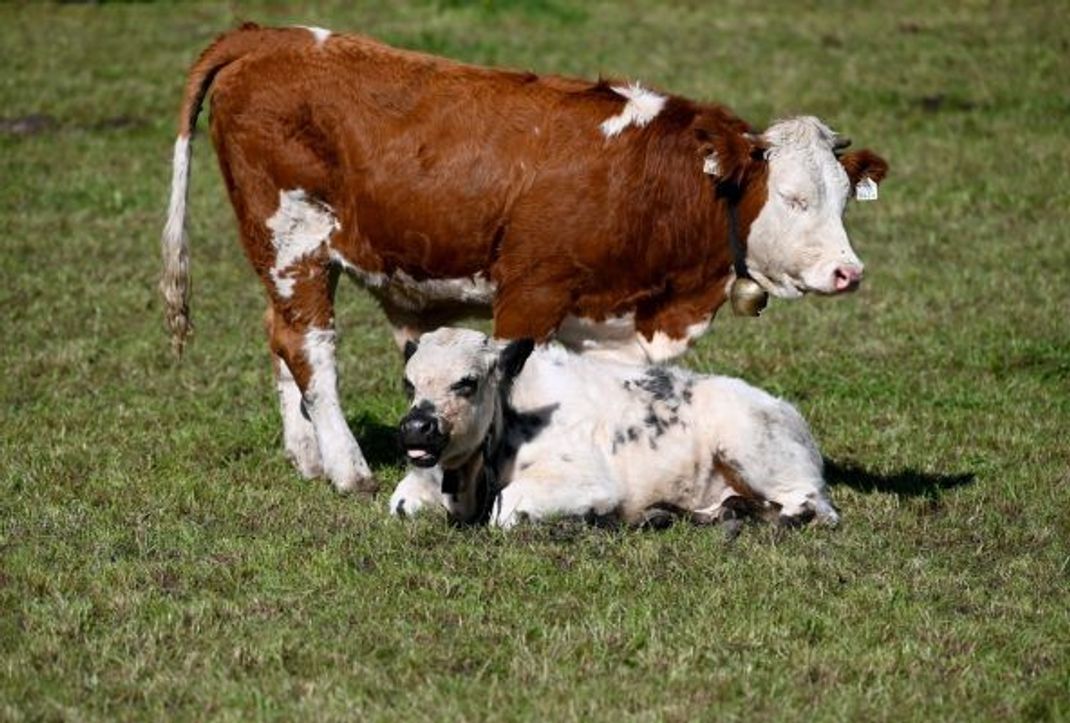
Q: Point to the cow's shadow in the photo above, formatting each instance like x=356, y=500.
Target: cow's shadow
x=378, y=441
x=904, y=483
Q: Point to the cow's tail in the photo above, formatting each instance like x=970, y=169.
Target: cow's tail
x=175, y=281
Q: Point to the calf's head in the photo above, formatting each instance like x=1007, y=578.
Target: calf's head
x=797, y=243
x=455, y=379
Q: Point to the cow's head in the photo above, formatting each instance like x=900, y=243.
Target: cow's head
x=454, y=379
x=797, y=242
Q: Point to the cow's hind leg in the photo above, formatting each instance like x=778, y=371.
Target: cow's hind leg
x=298, y=435
x=301, y=283
x=307, y=347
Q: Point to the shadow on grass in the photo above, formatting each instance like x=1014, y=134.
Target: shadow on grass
x=905, y=483
x=378, y=441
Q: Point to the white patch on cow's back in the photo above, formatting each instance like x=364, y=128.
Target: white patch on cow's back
x=320, y=34
x=642, y=107
x=299, y=227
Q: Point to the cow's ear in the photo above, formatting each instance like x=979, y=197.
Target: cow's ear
x=864, y=164
x=410, y=348
x=727, y=152
x=512, y=358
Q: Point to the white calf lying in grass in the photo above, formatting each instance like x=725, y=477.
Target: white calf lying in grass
x=492, y=438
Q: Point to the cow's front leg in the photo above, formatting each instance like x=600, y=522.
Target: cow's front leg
x=420, y=491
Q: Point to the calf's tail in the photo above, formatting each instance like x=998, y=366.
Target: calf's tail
x=175, y=280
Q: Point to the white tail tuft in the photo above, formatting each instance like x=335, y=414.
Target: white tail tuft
x=174, y=284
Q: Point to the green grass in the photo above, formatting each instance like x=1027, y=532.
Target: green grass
x=158, y=558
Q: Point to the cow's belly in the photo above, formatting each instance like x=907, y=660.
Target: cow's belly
x=616, y=338
x=401, y=291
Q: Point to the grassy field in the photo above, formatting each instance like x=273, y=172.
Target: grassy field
x=158, y=557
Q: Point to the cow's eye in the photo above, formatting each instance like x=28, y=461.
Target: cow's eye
x=466, y=387
x=795, y=201
x=410, y=390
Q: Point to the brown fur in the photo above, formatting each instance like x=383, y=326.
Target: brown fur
x=445, y=170
x=864, y=164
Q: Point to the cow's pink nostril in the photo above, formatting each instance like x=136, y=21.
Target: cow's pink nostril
x=847, y=278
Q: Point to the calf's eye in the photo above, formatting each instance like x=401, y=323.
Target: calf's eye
x=410, y=390
x=466, y=387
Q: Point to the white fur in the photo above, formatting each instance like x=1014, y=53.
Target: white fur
x=663, y=347
x=343, y=462
x=174, y=282
x=320, y=34
x=298, y=435
x=642, y=107
x=300, y=227
x=407, y=293
x=419, y=491
x=175, y=230
x=368, y=279
x=619, y=439
x=792, y=248
x=616, y=339
x=462, y=352
x=404, y=292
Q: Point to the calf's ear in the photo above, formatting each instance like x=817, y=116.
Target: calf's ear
x=410, y=348
x=512, y=358
x=864, y=164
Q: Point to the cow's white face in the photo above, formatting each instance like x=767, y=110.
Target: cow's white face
x=798, y=242
x=453, y=377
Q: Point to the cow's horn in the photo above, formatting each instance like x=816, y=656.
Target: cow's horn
x=840, y=143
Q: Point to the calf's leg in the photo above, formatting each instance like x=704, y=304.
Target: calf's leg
x=535, y=498
x=420, y=491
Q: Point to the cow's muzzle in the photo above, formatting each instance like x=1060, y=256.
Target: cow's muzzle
x=422, y=438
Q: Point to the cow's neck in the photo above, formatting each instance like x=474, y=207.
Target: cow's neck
x=742, y=202
x=471, y=488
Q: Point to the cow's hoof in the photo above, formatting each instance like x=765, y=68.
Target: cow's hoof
x=304, y=455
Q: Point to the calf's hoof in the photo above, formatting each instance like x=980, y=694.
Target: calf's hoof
x=656, y=518
x=799, y=519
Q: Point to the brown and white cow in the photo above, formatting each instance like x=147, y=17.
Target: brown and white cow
x=597, y=213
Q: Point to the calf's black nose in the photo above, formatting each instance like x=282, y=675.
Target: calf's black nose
x=417, y=426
